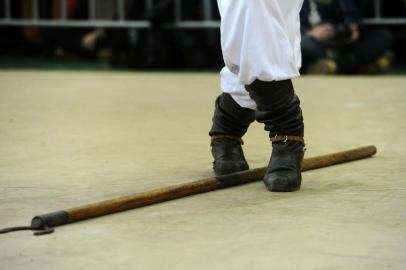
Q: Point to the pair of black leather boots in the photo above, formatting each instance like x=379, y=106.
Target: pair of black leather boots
x=279, y=109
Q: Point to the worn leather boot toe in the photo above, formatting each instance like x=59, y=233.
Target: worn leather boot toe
x=228, y=155
x=284, y=169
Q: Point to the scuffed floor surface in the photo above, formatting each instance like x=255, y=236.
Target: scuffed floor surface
x=68, y=138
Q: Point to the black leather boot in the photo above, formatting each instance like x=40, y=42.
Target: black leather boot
x=279, y=109
x=230, y=123
x=284, y=169
x=228, y=155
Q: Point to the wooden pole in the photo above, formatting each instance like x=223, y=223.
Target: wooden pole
x=44, y=223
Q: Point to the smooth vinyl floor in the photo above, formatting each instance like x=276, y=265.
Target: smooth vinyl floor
x=70, y=138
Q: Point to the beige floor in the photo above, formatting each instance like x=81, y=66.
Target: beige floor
x=68, y=138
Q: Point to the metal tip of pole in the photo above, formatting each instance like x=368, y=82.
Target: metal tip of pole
x=14, y=229
x=42, y=231
x=46, y=230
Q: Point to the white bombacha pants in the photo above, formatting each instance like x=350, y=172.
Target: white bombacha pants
x=260, y=39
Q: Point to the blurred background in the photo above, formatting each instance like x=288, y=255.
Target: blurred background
x=184, y=35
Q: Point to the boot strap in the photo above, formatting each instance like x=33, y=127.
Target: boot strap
x=285, y=138
x=222, y=136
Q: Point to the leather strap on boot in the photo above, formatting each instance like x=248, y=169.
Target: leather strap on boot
x=285, y=138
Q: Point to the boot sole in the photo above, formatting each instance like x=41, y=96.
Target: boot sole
x=282, y=186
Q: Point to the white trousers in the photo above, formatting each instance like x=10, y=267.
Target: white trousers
x=260, y=39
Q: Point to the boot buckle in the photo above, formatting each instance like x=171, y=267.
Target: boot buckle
x=285, y=138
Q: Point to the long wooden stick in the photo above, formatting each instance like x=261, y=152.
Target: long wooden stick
x=44, y=223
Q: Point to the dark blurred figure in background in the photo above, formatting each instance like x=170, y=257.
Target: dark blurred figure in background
x=66, y=42
x=334, y=40
x=160, y=47
x=21, y=41
x=157, y=47
x=48, y=41
x=390, y=9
